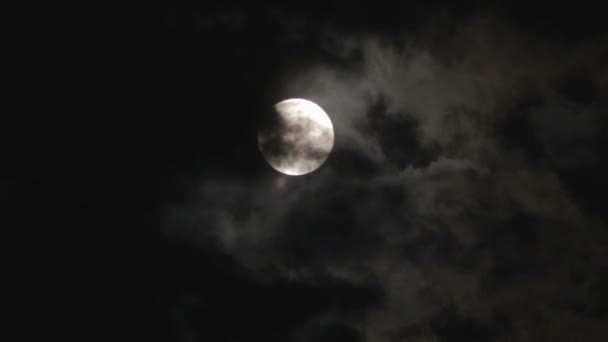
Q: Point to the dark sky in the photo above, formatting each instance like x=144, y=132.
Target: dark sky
x=464, y=199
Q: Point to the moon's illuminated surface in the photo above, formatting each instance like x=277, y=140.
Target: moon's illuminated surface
x=298, y=137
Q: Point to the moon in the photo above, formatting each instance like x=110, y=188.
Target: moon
x=297, y=138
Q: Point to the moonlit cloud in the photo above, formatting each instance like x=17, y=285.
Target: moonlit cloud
x=448, y=215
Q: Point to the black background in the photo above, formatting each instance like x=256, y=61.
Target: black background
x=113, y=114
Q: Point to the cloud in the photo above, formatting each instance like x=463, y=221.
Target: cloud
x=430, y=192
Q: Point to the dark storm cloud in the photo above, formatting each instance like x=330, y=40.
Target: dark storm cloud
x=230, y=303
x=456, y=202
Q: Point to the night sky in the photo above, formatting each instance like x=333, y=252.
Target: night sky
x=464, y=199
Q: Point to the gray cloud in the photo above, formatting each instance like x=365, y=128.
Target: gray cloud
x=446, y=225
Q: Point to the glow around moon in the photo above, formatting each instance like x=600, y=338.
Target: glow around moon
x=298, y=137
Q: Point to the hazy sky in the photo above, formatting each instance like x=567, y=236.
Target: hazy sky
x=463, y=199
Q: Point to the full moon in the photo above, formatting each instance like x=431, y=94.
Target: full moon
x=298, y=137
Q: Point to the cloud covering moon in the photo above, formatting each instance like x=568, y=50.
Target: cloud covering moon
x=298, y=138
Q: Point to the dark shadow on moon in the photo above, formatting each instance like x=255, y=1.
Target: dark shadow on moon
x=288, y=146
